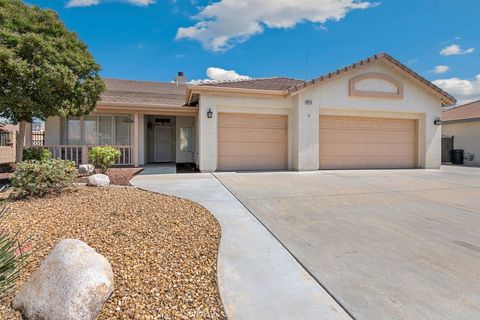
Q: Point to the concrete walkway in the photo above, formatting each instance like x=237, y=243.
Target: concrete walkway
x=257, y=276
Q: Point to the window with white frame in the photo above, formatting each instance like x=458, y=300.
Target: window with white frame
x=122, y=130
x=98, y=130
x=74, y=131
x=186, y=139
x=90, y=130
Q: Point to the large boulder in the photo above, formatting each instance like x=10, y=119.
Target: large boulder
x=98, y=180
x=86, y=169
x=72, y=283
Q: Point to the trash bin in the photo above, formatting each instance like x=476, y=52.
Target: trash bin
x=457, y=156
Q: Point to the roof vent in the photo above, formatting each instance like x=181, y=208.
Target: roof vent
x=180, y=78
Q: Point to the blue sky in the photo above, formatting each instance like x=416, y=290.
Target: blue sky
x=153, y=39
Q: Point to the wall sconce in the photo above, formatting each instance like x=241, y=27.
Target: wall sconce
x=209, y=113
x=128, y=120
x=437, y=121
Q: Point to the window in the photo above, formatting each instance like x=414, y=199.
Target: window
x=186, y=139
x=5, y=139
x=90, y=130
x=105, y=130
x=74, y=131
x=98, y=130
x=122, y=130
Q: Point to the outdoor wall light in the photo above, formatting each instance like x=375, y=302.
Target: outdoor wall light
x=437, y=121
x=209, y=113
x=128, y=120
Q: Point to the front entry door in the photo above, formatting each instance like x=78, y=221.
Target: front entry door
x=163, y=144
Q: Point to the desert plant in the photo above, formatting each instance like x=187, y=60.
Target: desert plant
x=103, y=157
x=39, y=178
x=34, y=153
x=11, y=257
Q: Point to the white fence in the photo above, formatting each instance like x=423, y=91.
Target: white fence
x=79, y=153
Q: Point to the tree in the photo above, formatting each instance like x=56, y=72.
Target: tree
x=45, y=70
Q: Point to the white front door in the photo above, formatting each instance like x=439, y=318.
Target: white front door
x=163, y=144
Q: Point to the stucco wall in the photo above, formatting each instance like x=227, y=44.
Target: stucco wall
x=332, y=98
x=329, y=98
x=466, y=136
x=208, y=128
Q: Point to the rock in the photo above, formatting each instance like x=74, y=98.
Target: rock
x=86, y=169
x=98, y=180
x=72, y=283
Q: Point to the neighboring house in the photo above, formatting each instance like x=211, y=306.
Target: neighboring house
x=376, y=113
x=461, y=125
x=8, y=138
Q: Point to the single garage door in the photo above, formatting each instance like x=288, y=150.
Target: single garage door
x=252, y=142
x=367, y=143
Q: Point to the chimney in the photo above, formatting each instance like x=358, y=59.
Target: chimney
x=180, y=78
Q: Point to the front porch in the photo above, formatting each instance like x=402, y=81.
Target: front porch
x=141, y=138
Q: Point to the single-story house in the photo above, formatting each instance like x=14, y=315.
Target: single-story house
x=8, y=142
x=461, y=130
x=376, y=113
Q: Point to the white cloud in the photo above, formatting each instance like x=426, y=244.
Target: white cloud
x=464, y=90
x=440, y=69
x=455, y=49
x=87, y=3
x=219, y=74
x=225, y=23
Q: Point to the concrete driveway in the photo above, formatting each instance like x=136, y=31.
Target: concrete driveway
x=396, y=244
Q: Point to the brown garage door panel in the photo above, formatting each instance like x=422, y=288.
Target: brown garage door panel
x=252, y=142
x=260, y=135
x=367, y=143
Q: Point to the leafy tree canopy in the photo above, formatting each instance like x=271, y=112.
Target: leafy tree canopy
x=45, y=70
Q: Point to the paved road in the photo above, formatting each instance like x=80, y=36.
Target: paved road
x=398, y=244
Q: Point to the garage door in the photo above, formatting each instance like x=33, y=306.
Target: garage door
x=252, y=142
x=367, y=143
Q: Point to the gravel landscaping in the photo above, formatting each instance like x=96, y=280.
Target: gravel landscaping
x=163, y=250
x=118, y=176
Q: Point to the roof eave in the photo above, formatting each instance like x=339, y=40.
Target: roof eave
x=191, y=89
x=141, y=105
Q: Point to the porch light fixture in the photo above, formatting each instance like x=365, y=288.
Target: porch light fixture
x=209, y=113
x=128, y=120
x=437, y=121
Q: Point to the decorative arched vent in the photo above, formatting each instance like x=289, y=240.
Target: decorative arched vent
x=376, y=85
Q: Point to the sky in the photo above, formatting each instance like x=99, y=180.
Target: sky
x=303, y=39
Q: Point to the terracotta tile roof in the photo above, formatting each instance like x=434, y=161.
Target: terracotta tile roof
x=275, y=83
x=144, y=92
x=447, y=98
x=465, y=112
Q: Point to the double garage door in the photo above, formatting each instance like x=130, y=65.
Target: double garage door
x=367, y=143
x=260, y=142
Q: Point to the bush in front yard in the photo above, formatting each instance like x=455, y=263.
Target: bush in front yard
x=34, y=153
x=39, y=178
x=103, y=157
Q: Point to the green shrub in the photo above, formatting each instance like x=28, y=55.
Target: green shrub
x=34, y=153
x=11, y=257
x=39, y=178
x=103, y=157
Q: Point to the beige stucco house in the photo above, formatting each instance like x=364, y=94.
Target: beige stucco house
x=462, y=124
x=376, y=113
